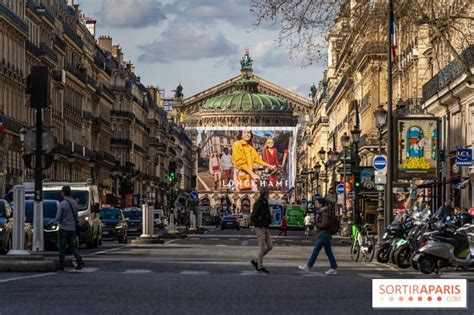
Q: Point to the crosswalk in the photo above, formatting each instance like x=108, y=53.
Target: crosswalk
x=386, y=274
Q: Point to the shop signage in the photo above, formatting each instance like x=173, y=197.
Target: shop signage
x=464, y=157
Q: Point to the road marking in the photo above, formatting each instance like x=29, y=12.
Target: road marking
x=313, y=274
x=28, y=277
x=370, y=275
x=234, y=239
x=213, y=239
x=134, y=271
x=193, y=273
x=105, y=251
x=84, y=270
x=288, y=240
x=194, y=239
x=244, y=243
x=172, y=241
x=252, y=273
x=221, y=245
x=306, y=241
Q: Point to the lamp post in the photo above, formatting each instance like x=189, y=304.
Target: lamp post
x=23, y=132
x=57, y=158
x=70, y=160
x=334, y=157
x=317, y=169
x=116, y=174
x=322, y=157
x=356, y=171
x=345, y=143
x=92, y=165
x=380, y=121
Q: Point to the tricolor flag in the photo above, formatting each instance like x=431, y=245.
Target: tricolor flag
x=393, y=34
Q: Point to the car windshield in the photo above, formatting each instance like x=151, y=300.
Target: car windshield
x=156, y=215
x=81, y=197
x=110, y=213
x=133, y=214
x=230, y=219
x=49, y=210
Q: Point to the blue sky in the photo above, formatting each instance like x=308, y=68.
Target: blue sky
x=196, y=42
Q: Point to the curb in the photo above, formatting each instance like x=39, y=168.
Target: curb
x=148, y=240
x=24, y=265
x=173, y=236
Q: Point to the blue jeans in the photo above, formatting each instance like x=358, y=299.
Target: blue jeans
x=67, y=238
x=324, y=240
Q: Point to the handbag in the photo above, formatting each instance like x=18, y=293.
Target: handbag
x=78, y=225
x=244, y=181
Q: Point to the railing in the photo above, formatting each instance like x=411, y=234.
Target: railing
x=139, y=122
x=120, y=88
x=45, y=50
x=75, y=71
x=139, y=148
x=12, y=17
x=121, y=141
x=46, y=14
x=104, y=122
x=72, y=35
x=91, y=81
x=448, y=74
x=108, y=92
x=108, y=157
x=59, y=42
x=122, y=113
x=86, y=115
x=32, y=48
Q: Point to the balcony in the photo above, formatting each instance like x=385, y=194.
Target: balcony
x=152, y=141
x=75, y=71
x=96, y=123
x=122, y=114
x=73, y=36
x=91, y=81
x=32, y=48
x=59, y=42
x=140, y=149
x=108, y=92
x=140, y=123
x=448, y=74
x=118, y=88
x=8, y=15
x=86, y=115
x=45, y=50
x=121, y=142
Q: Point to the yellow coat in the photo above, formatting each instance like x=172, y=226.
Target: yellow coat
x=244, y=156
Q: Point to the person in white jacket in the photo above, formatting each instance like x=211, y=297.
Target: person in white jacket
x=308, y=224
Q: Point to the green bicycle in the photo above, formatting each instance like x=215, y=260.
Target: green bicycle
x=362, y=243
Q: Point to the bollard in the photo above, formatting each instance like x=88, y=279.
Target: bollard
x=18, y=244
x=171, y=227
x=192, y=218
x=151, y=220
x=38, y=233
x=199, y=220
x=145, y=221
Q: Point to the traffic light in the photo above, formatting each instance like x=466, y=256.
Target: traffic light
x=357, y=181
x=171, y=171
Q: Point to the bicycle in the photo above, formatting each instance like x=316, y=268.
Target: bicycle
x=362, y=243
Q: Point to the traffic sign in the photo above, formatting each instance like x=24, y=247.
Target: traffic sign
x=340, y=188
x=379, y=162
x=193, y=196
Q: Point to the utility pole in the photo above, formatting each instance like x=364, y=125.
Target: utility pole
x=39, y=99
x=390, y=129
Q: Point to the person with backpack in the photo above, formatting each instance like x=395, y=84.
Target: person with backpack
x=261, y=219
x=68, y=228
x=327, y=225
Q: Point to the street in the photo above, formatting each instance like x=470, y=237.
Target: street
x=208, y=274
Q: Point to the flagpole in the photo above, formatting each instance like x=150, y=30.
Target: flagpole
x=390, y=129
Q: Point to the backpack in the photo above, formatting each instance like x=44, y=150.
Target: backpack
x=328, y=222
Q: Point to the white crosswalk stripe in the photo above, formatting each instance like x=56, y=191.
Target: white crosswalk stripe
x=313, y=274
x=84, y=270
x=193, y=272
x=370, y=275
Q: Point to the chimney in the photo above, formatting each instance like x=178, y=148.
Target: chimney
x=90, y=24
x=117, y=53
x=70, y=2
x=130, y=67
x=105, y=42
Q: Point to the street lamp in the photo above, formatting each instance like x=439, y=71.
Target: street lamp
x=322, y=157
x=317, y=169
x=345, y=143
x=355, y=171
x=23, y=132
x=70, y=160
x=92, y=165
x=380, y=121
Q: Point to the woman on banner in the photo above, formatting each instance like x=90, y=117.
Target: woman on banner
x=244, y=156
x=215, y=169
x=270, y=155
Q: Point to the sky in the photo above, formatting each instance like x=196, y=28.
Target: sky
x=198, y=43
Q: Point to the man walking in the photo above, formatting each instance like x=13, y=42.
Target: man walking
x=325, y=219
x=67, y=218
x=261, y=219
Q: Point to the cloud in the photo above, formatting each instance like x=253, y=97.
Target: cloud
x=131, y=13
x=268, y=54
x=187, y=42
x=236, y=12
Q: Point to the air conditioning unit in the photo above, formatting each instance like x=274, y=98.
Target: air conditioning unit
x=59, y=76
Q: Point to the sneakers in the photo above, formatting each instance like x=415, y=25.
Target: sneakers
x=254, y=264
x=80, y=265
x=304, y=268
x=331, y=272
x=263, y=270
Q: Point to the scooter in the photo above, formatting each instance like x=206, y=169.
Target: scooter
x=450, y=248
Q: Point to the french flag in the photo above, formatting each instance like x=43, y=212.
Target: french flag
x=393, y=34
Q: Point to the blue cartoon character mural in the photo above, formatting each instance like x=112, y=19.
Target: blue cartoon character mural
x=415, y=149
x=434, y=144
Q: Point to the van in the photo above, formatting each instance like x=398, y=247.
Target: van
x=87, y=198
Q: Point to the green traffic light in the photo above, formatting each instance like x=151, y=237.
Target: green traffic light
x=357, y=184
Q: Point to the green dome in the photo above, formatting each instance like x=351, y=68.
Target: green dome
x=246, y=99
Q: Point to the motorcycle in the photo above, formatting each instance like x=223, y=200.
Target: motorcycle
x=449, y=248
x=393, y=233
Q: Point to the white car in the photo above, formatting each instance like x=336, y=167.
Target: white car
x=243, y=220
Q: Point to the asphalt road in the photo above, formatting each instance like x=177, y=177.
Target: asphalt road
x=205, y=274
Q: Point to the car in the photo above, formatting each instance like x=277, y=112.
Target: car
x=87, y=198
x=50, y=226
x=243, y=220
x=114, y=224
x=135, y=217
x=230, y=222
x=6, y=229
x=159, y=220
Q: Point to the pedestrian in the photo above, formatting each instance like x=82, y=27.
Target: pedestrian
x=307, y=224
x=283, y=226
x=261, y=219
x=325, y=219
x=67, y=219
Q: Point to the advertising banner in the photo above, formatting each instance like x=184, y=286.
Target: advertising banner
x=416, y=149
x=295, y=216
x=244, y=160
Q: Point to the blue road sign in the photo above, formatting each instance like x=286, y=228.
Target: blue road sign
x=464, y=157
x=380, y=162
x=340, y=188
x=193, y=196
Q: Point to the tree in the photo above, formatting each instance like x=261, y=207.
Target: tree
x=306, y=24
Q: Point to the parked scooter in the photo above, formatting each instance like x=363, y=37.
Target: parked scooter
x=449, y=248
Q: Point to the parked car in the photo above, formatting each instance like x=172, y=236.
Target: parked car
x=6, y=229
x=134, y=216
x=114, y=224
x=50, y=226
x=243, y=220
x=159, y=219
x=230, y=222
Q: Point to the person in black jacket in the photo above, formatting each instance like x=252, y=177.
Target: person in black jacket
x=261, y=219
